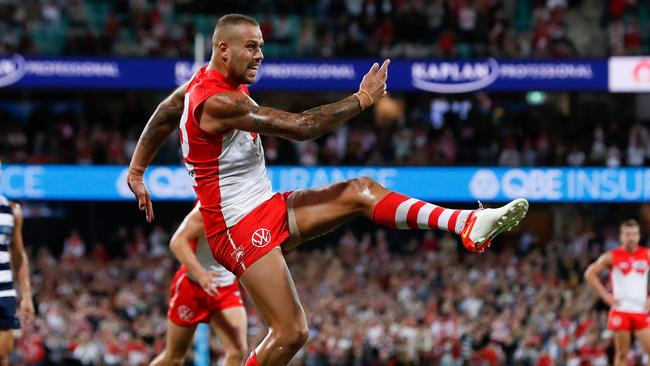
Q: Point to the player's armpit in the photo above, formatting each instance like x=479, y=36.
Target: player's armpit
x=235, y=110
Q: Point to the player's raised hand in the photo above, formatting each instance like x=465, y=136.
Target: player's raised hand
x=135, y=181
x=373, y=84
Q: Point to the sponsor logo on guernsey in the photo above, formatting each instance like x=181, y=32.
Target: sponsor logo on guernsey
x=261, y=237
x=185, y=313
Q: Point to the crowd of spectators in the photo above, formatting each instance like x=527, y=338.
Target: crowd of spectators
x=372, y=297
x=330, y=28
x=481, y=129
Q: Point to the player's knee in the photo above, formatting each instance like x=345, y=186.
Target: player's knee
x=363, y=184
x=363, y=188
x=292, y=339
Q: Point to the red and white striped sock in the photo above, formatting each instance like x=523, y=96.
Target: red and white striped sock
x=402, y=212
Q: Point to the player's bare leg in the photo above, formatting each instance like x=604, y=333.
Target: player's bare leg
x=644, y=338
x=621, y=346
x=6, y=346
x=230, y=326
x=178, y=342
x=269, y=284
x=313, y=212
x=320, y=210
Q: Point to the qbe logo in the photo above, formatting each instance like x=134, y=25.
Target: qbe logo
x=11, y=70
x=484, y=184
x=261, y=238
x=538, y=184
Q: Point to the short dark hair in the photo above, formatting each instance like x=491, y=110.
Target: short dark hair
x=630, y=223
x=230, y=20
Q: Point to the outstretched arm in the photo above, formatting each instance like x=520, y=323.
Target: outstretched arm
x=162, y=123
x=235, y=110
x=190, y=229
x=20, y=267
x=591, y=275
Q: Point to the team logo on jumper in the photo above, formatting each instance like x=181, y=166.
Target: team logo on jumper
x=625, y=268
x=238, y=254
x=454, y=76
x=261, y=238
x=185, y=313
x=11, y=70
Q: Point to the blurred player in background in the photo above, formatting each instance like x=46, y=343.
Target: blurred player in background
x=629, y=303
x=244, y=219
x=202, y=291
x=13, y=260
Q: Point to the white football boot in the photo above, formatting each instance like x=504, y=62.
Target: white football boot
x=484, y=224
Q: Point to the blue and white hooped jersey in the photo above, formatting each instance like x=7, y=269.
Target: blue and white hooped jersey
x=6, y=235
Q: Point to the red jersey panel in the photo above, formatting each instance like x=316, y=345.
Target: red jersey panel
x=228, y=169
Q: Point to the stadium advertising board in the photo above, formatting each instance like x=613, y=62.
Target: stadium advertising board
x=471, y=75
x=438, y=76
x=629, y=74
x=61, y=182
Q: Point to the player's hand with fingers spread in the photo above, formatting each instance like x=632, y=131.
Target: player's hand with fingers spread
x=135, y=181
x=373, y=85
x=208, y=281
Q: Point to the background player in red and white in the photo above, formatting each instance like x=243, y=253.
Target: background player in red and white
x=244, y=219
x=202, y=291
x=629, y=303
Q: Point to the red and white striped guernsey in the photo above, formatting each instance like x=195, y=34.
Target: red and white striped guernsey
x=227, y=169
x=629, y=276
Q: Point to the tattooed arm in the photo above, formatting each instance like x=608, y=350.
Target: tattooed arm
x=162, y=123
x=235, y=110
